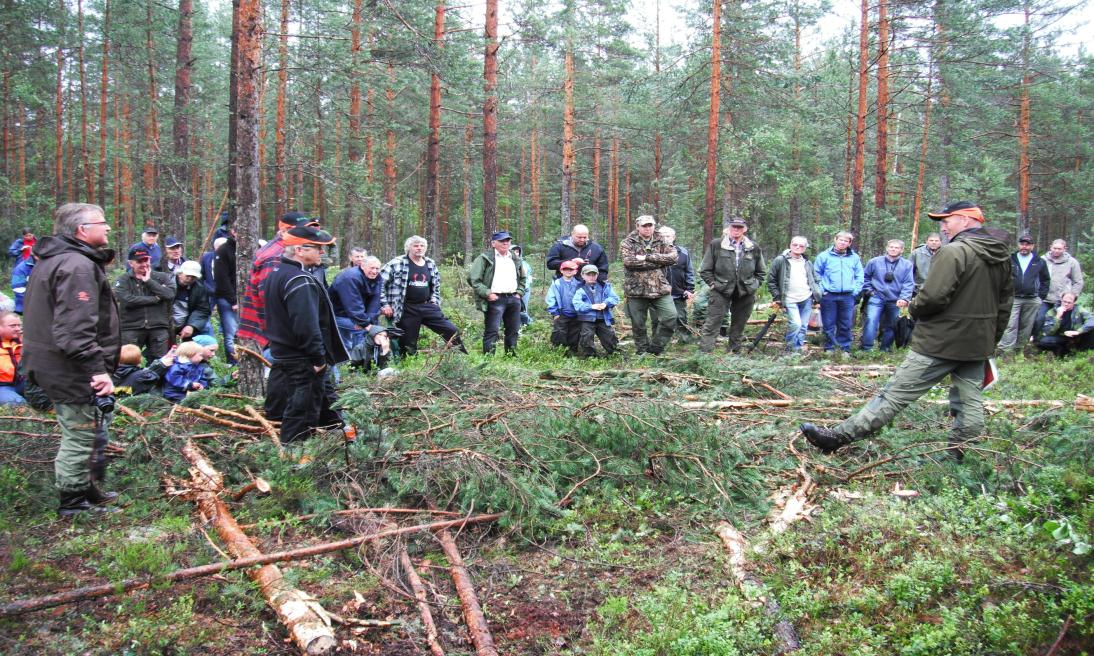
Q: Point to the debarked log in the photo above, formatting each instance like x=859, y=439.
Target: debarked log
x=307, y=622
x=472, y=611
x=991, y=406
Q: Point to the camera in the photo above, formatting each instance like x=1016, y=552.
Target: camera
x=888, y=276
x=104, y=404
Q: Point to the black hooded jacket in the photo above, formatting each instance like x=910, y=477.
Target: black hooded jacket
x=299, y=317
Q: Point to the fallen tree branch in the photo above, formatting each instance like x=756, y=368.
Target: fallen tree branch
x=246, y=428
x=275, y=437
x=254, y=354
x=472, y=612
x=431, y=635
x=92, y=592
x=131, y=413
x=356, y=511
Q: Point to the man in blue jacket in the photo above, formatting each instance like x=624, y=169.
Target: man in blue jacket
x=839, y=272
x=1031, y=285
x=355, y=295
x=889, y=283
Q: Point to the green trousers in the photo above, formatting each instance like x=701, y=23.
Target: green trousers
x=913, y=378
x=680, y=326
x=740, y=308
x=665, y=311
x=72, y=466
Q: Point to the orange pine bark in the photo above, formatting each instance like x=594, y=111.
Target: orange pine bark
x=596, y=177
x=280, y=192
x=860, y=122
x=490, y=122
x=388, y=209
x=103, y=89
x=882, y=164
x=566, y=212
x=59, y=115
x=917, y=203
x=1023, y=131
x=85, y=153
x=712, y=121
x=150, y=197
x=431, y=216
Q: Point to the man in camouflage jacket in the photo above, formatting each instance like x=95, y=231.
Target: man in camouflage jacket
x=645, y=255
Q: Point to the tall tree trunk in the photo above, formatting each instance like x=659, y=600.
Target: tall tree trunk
x=860, y=122
x=59, y=112
x=882, y=163
x=353, y=147
x=490, y=122
x=387, y=211
x=233, y=126
x=534, y=157
x=657, y=135
x=280, y=187
x=567, y=140
x=917, y=203
x=317, y=191
x=433, y=152
x=613, y=197
x=85, y=153
x=126, y=201
x=151, y=196
x=1024, y=221
x=596, y=179
x=249, y=63
x=712, y=122
x=103, y=88
x=795, y=225
x=180, y=128
x=468, y=240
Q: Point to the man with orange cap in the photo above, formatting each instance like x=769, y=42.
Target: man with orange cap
x=961, y=312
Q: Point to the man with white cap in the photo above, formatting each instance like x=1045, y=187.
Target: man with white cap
x=191, y=309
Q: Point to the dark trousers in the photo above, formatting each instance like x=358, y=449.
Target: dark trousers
x=504, y=310
x=301, y=398
x=680, y=326
x=1039, y=322
x=566, y=331
x=739, y=307
x=600, y=330
x=1062, y=345
x=429, y=315
x=837, y=313
x=153, y=342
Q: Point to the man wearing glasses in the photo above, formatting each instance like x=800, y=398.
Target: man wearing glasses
x=72, y=341
x=794, y=289
x=303, y=337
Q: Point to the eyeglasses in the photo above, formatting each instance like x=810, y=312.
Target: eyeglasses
x=797, y=246
x=315, y=246
x=96, y=223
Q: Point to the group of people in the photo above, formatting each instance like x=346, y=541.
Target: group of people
x=84, y=336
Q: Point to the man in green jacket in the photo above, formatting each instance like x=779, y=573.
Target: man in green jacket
x=961, y=313
x=499, y=283
x=733, y=268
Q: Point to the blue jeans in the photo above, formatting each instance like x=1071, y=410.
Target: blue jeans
x=885, y=312
x=837, y=311
x=229, y=324
x=797, y=319
x=351, y=336
x=10, y=396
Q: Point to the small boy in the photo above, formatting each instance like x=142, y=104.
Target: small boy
x=565, y=328
x=186, y=374
x=130, y=379
x=594, y=301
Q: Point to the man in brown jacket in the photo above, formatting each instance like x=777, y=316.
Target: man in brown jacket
x=645, y=256
x=71, y=343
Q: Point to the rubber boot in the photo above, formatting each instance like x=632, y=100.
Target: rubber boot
x=98, y=496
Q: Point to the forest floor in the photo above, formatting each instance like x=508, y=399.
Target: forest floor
x=611, y=488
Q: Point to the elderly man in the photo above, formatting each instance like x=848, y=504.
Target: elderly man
x=303, y=336
x=411, y=297
x=172, y=258
x=498, y=281
x=12, y=384
x=252, y=313
x=72, y=342
x=1066, y=276
x=144, y=300
x=682, y=279
x=355, y=294
x=645, y=256
x=150, y=240
x=191, y=308
x=733, y=268
x=961, y=312
x=794, y=289
x=922, y=256
x=889, y=281
x=839, y=271
x=1031, y=284
x=1068, y=328
x=578, y=247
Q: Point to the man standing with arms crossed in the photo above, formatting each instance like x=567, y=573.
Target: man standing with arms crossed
x=961, y=311
x=72, y=341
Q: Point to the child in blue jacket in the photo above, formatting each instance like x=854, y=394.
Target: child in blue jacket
x=185, y=374
x=594, y=301
x=565, y=328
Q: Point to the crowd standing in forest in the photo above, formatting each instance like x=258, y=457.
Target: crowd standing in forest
x=969, y=298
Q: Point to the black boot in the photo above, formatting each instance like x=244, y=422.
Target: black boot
x=825, y=439
x=98, y=496
x=74, y=503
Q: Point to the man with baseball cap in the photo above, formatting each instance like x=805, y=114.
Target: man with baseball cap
x=144, y=303
x=149, y=238
x=1031, y=285
x=733, y=268
x=498, y=280
x=252, y=318
x=303, y=338
x=191, y=308
x=172, y=258
x=645, y=255
x=961, y=313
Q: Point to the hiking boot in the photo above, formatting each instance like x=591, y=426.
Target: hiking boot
x=825, y=439
x=74, y=503
x=98, y=497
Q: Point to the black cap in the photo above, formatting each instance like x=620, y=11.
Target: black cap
x=501, y=235
x=308, y=235
x=1026, y=238
x=171, y=242
x=151, y=229
x=297, y=219
x=139, y=252
x=951, y=208
x=738, y=221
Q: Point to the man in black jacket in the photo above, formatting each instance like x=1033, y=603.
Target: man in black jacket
x=191, y=310
x=71, y=343
x=227, y=299
x=144, y=301
x=1031, y=284
x=303, y=337
x=580, y=248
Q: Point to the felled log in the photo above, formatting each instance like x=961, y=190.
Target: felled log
x=472, y=612
x=266, y=425
x=307, y=622
x=991, y=406
x=213, y=419
x=786, y=637
x=108, y=589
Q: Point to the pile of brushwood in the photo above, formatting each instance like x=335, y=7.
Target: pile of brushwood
x=545, y=505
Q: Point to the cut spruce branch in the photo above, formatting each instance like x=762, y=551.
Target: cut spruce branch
x=213, y=419
x=20, y=607
x=307, y=622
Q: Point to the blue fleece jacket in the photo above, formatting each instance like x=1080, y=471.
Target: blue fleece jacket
x=560, y=297
x=355, y=297
x=588, y=295
x=180, y=379
x=839, y=273
x=903, y=278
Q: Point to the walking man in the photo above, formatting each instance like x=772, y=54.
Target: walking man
x=961, y=313
x=733, y=268
x=794, y=289
x=498, y=280
x=1031, y=285
x=889, y=282
x=645, y=256
x=840, y=274
x=72, y=341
